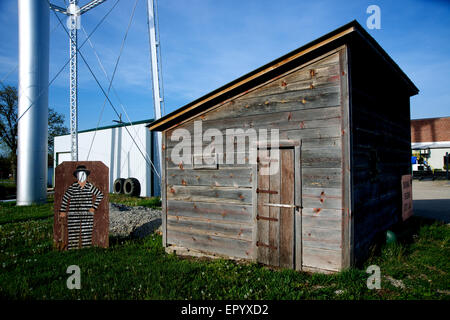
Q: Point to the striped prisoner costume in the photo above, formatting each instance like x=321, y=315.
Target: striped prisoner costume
x=80, y=220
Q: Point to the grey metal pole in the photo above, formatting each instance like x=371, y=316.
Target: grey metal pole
x=34, y=30
x=157, y=99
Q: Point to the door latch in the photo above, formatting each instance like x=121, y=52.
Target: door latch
x=281, y=205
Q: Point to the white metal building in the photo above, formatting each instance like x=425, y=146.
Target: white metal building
x=430, y=139
x=114, y=146
x=433, y=152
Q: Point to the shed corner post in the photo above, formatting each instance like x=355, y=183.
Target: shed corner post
x=163, y=190
x=298, y=245
x=254, y=255
x=347, y=155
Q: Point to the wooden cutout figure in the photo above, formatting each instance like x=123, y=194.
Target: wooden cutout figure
x=81, y=205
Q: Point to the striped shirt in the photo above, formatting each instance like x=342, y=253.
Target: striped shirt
x=80, y=220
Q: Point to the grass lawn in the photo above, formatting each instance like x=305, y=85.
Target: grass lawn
x=7, y=189
x=9, y=213
x=140, y=269
x=151, y=202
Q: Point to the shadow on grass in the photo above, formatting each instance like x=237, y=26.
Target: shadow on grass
x=408, y=230
x=116, y=241
x=433, y=209
x=406, y=233
x=7, y=190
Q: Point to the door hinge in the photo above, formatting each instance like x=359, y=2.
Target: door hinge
x=266, y=191
x=266, y=218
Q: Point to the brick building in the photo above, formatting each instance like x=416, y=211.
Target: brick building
x=430, y=138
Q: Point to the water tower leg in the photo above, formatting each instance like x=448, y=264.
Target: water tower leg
x=33, y=101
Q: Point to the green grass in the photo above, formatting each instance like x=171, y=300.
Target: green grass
x=9, y=212
x=140, y=269
x=421, y=260
x=151, y=202
x=7, y=189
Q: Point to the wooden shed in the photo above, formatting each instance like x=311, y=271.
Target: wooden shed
x=342, y=111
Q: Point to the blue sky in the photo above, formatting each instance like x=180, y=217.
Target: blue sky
x=208, y=43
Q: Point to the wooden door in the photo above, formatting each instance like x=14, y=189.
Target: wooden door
x=276, y=210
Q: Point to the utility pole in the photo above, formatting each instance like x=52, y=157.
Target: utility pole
x=154, y=50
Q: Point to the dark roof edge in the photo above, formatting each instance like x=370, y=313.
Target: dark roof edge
x=379, y=48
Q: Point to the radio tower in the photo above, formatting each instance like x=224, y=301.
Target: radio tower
x=74, y=13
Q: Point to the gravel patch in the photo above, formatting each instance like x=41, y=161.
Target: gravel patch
x=135, y=222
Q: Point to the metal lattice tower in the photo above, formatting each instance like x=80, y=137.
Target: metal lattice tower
x=73, y=66
x=74, y=13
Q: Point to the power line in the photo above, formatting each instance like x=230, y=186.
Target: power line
x=67, y=62
x=115, y=92
x=17, y=65
x=120, y=103
x=111, y=86
x=109, y=101
x=114, y=71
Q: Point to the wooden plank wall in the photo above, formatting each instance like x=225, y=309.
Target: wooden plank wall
x=381, y=150
x=211, y=210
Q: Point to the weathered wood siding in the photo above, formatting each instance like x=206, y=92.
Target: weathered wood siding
x=381, y=149
x=211, y=209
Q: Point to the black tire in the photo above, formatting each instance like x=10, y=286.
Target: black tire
x=118, y=185
x=132, y=187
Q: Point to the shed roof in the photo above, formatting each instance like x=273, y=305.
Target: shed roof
x=342, y=35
